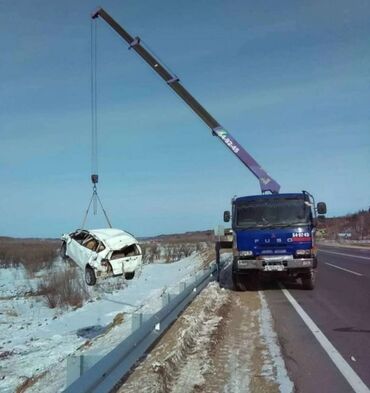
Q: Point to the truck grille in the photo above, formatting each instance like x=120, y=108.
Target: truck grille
x=274, y=263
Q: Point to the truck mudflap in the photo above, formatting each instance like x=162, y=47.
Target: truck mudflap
x=274, y=264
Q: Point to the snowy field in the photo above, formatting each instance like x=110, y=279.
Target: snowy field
x=36, y=340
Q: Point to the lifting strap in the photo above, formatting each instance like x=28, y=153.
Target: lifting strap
x=94, y=200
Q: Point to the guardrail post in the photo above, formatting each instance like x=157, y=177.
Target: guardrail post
x=166, y=299
x=136, y=321
x=73, y=368
x=217, y=249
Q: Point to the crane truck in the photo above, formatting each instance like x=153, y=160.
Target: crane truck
x=272, y=233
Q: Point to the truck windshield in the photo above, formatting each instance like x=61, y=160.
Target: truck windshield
x=264, y=213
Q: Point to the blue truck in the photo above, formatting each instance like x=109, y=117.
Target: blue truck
x=272, y=233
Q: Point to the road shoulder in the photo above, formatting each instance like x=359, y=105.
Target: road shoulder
x=224, y=341
x=308, y=364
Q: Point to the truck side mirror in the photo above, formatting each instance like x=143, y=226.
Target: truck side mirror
x=321, y=208
x=226, y=216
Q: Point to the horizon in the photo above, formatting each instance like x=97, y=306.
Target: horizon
x=169, y=234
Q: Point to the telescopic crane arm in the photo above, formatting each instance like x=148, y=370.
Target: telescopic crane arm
x=266, y=182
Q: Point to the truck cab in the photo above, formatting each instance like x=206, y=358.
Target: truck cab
x=274, y=235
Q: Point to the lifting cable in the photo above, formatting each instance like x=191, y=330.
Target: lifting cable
x=94, y=130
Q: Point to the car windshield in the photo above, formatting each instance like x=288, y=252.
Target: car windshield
x=272, y=212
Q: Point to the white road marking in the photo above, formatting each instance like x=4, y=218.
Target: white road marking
x=342, y=268
x=347, y=255
x=345, y=369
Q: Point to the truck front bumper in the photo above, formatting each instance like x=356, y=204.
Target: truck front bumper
x=274, y=264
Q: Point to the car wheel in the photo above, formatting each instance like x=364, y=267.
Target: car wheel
x=63, y=250
x=90, y=277
x=129, y=276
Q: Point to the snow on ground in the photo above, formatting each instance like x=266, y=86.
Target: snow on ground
x=34, y=338
x=10, y=276
x=223, y=342
x=274, y=366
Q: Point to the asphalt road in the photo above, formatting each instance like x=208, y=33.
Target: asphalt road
x=340, y=308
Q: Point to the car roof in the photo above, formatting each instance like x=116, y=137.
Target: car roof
x=114, y=238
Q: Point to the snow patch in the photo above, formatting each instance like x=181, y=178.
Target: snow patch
x=274, y=366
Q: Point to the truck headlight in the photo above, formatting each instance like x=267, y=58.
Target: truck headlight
x=247, y=253
x=303, y=253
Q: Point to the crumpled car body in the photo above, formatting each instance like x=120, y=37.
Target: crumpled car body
x=103, y=252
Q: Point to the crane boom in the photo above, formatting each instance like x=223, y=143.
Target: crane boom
x=266, y=182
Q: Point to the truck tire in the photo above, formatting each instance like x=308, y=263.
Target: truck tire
x=90, y=277
x=238, y=281
x=309, y=280
x=253, y=280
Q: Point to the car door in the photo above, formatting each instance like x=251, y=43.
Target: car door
x=76, y=250
x=88, y=252
x=73, y=244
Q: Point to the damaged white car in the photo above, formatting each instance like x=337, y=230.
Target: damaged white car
x=102, y=253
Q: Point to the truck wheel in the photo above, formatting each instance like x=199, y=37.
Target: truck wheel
x=129, y=276
x=309, y=280
x=238, y=282
x=90, y=277
x=253, y=280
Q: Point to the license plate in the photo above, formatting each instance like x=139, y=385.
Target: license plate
x=270, y=268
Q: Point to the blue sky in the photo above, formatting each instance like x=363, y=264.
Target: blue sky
x=289, y=80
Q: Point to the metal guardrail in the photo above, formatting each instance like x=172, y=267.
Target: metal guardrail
x=107, y=372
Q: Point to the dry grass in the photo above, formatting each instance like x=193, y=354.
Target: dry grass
x=171, y=251
x=187, y=237
x=207, y=257
x=118, y=320
x=33, y=254
x=6, y=354
x=24, y=386
x=63, y=288
x=172, y=248
x=358, y=224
